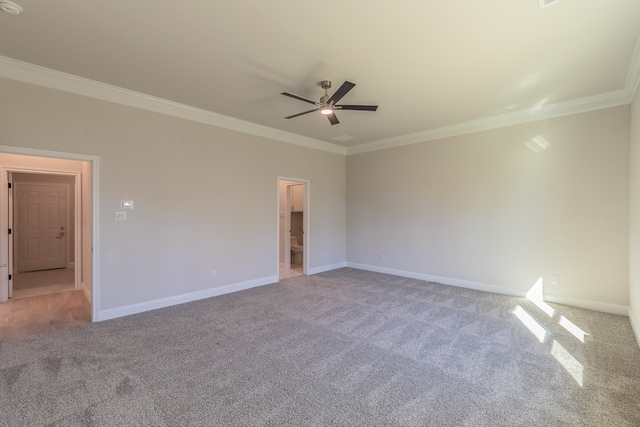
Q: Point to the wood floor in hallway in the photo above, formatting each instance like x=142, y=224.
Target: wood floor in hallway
x=42, y=313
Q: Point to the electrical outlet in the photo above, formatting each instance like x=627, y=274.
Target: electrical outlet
x=121, y=216
x=554, y=280
x=213, y=274
x=382, y=257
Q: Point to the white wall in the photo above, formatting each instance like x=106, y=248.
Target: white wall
x=205, y=197
x=501, y=208
x=634, y=218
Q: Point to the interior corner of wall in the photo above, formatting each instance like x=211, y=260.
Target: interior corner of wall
x=635, y=325
x=86, y=290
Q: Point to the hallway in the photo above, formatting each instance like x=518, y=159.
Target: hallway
x=43, y=301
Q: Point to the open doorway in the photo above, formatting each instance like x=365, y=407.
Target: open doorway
x=49, y=199
x=292, y=226
x=43, y=233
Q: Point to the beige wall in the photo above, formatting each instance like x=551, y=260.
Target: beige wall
x=634, y=218
x=205, y=197
x=501, y=207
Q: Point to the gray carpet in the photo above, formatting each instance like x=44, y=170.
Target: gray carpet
x=346, y=348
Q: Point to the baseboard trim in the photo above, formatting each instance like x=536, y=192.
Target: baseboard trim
x=127, y=310
x=635, y=327
x=478, y=286
x=503, y=290
x=603, y=307
x=327, y=267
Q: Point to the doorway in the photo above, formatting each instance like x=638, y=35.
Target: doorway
x=55, y=195
x=43, y=231
x=293, y=214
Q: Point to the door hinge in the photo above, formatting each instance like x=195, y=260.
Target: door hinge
x=10, y=231
x=9, y=277
x=9, y=185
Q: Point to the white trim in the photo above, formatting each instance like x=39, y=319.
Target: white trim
x=634, y=327
x=181, y=299
x=306, y=232
x=503, y=290
x=607, y=100
x=485, y=287
x=328, y=267
x=603, y=307
x=34, y=74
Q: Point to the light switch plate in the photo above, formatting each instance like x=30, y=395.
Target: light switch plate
x=126, y=204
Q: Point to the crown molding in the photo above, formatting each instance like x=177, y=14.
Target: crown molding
x=41, y=76
x=582, y=105
x=607, y=100
x=34, y=74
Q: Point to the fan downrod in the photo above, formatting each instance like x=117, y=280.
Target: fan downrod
x=325, y=84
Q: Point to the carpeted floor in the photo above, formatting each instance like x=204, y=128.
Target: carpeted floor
x=346, y=348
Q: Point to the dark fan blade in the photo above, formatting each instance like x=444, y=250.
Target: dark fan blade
x=342, y=91
x=357, y=107
x=333, y=119
x=300, y=114
x=291, y=95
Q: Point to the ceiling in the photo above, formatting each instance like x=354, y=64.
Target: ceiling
x=429, y=65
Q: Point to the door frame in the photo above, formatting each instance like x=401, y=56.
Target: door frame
x=6, y=169
x=287, y=215
x=286, y=240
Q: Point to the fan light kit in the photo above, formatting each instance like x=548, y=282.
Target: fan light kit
x=327, y=105
x=10, y=7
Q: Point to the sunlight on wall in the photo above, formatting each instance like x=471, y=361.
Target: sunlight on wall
x=537, y=144
x=535, y=296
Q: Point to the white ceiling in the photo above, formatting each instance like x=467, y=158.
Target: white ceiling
x=429, y=65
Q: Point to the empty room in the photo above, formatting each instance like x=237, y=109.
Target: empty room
x=341, y=213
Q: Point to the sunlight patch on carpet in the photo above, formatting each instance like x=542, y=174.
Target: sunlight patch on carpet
x=572, y=328
x=535, y=327
x=568, y=362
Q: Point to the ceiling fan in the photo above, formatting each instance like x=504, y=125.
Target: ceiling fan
x=327, y=105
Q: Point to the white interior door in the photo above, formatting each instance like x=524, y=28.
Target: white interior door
x=41, y=236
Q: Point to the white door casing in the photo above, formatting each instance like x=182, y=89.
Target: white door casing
x=89, y=224
x=287, y=228
x=286, y=244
